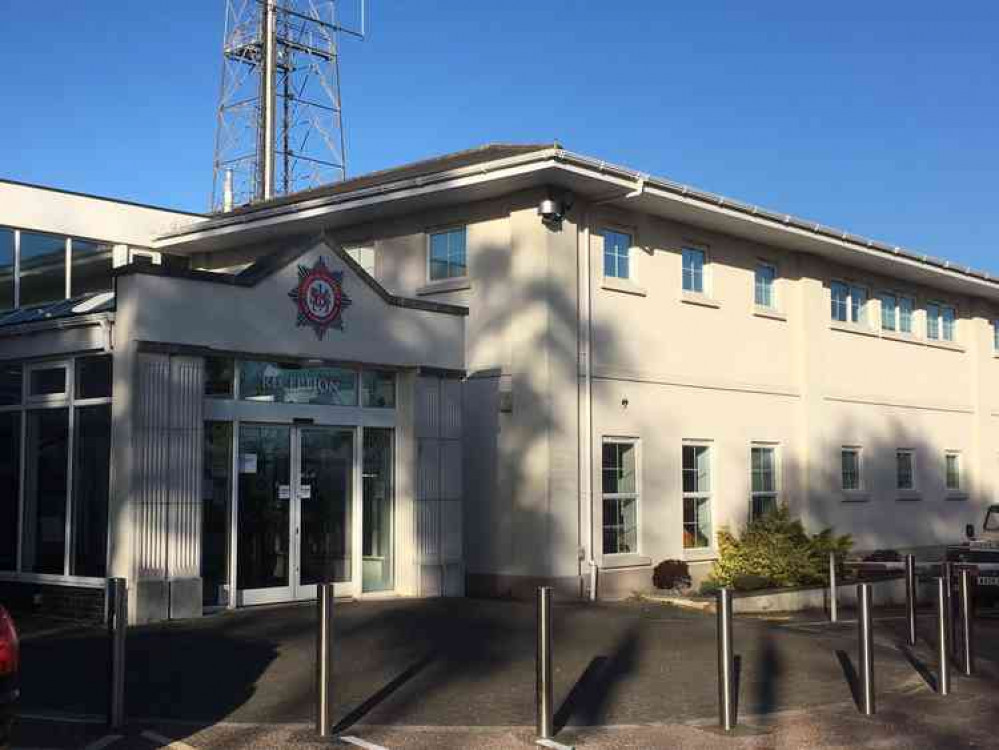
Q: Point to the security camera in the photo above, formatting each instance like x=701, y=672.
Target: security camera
x=553, y=210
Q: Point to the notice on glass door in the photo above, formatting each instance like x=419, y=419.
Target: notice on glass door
x=247, y=463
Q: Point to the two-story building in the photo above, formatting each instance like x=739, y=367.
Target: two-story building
x=491, y=369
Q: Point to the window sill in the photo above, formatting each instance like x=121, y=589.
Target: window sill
x=941, y=344
x=767, y=312
x=905, y=338
x=856, y=496
x=625, y=560
x=696, y=298
x=908, y=497
x=956, y=496
x=861, y=329
x=444, y=285
x=700, y=554
x=625, y=286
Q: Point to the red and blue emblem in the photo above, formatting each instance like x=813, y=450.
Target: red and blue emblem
x=320, y=298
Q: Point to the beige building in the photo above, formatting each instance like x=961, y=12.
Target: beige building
x=498, y=367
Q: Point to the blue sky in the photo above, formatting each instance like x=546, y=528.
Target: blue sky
x=881, y=118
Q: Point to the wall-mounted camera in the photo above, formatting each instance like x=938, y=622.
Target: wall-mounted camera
x=553, y=209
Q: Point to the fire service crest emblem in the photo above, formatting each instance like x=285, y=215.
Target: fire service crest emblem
x=320, y=298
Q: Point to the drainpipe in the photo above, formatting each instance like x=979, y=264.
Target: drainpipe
x=585, y=343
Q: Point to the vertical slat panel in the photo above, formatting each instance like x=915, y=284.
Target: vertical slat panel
x=186, y=437
x=451, y=546
x=450, y=419
x=428, y=532
x=450, y=479
x=428, y=409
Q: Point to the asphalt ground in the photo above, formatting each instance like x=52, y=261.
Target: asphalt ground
x=443, y=673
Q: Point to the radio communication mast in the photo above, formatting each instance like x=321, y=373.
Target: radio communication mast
x=280, y=119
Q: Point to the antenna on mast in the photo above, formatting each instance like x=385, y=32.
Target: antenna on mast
x=280, y=120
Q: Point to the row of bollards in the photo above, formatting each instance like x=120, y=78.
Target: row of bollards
x=727, y=680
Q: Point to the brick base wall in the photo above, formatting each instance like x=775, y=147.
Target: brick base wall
x=69, y=602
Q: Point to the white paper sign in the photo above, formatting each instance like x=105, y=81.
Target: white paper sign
x=247, y=463
x=305, y=491
x=284, y=492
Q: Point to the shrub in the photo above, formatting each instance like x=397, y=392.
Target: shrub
x=671, y=574
x=775, y=548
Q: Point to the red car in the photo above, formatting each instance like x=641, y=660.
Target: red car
x=9, y=657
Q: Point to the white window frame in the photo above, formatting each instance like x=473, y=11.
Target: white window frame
x=911, y=453
x=705, y=289
x=859, y=452
x=937, y=321
x=995, y=335
x=698, y=495
x=430, y=232
x=774, y=303
x=961, y=481
x=628, y=232
x=860, y=319
x=776, y=493
x=67, y=400
x=636, y=443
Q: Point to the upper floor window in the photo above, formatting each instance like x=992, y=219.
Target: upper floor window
x=693, y=270
x=364, y=255
x=905, y=469
x=995, y=335
x=617, y=254
x=50, y=267
x=896, y=313
x=848, y=302
x=766, y=275
x=850, y=476
x=940, y=322
x=448, y=254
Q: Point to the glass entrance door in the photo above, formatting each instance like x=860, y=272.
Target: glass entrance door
x=294, y=511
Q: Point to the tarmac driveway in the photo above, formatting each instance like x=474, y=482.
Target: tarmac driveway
x=455, y=662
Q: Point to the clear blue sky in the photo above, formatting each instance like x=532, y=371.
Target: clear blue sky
x=878, y=117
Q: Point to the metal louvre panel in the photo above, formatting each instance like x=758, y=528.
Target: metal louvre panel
x=428, y=407
x=454, y=580
x=431, y=580
x=152, y=474
x=450, y=468
x=450, y=427
x=428, y=541
x=428, y=479
x=451, y=546
x=186, y=435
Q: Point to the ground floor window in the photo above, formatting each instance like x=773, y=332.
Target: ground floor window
x=216, y=494
x=378, y=504
x=696, y=496
x=55, y=466
x=620, y=495
x=763, y=468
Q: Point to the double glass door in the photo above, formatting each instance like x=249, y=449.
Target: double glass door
x=295, y=510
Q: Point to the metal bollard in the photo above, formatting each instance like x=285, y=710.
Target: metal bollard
x=833, y=601
x=324, y=659
x=943, y=650
x=865, y=631
x=726, y=662
x=545, y=724
x=117, y=601
x=948, y=574
x=910, y=596
x=967, y=623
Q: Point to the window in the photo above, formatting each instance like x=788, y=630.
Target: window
x=905, y=307
x=848, y=302
x=693, y=270
x=696, y=496
x=6, y=269
x=10, y=484
x=617, y=254
x=889, y=312
x=43, y=268
x=46, y=381
x=43, y=545
x=91, y=478
x=90, y=270
x=447, y=254
x=93, y=377
x=940, y=321
x=850, y=476
x=291, y=383
x=365, y=257
x=763, y=468
x=995, y=335
x=764, y=285
x=219, y=376
x=905, y=469
x=10, y=383
x=378, y=389
x=858, y=304
x=947, y=323
x=952, y=463
x=620, y=496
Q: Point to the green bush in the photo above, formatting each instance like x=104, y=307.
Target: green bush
x=775, y=551
x=671, y=574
